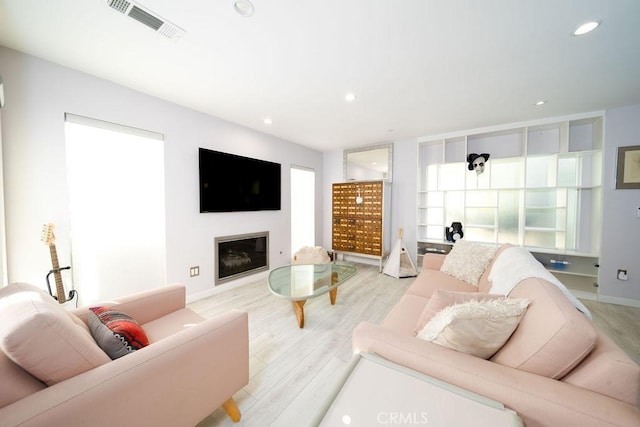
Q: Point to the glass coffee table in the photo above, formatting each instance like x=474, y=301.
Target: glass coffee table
x=300, y=282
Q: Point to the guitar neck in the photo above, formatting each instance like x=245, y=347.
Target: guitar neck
x=56, y=274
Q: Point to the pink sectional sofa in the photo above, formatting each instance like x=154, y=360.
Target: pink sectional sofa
x=54, y=373
x=556, y=369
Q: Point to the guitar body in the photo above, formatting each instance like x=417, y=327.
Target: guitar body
x=48, y=237
x=71, y=300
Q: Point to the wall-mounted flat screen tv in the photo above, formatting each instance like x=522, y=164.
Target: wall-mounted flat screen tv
x=232, y=183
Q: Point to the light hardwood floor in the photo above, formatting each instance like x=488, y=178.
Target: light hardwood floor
x=292, y=370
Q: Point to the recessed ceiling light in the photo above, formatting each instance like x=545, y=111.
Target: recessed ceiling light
x=539, y=103
x=243, y=7
x=267, y=121
x=350, y=97
x=586, y=28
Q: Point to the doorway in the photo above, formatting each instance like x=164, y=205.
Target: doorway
x=302, y=208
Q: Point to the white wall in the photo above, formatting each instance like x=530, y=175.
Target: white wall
x=38, y=93
x=620, y=248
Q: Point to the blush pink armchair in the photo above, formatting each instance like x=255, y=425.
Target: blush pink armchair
x=54, y=373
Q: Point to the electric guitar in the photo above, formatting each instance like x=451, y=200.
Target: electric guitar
x=49, y=239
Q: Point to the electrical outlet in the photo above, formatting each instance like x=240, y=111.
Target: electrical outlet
x=622, y=274
x=194, y=271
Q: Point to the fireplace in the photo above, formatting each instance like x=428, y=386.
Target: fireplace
x=240, y=255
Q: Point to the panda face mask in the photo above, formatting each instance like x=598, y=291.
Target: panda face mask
x=478, y=165
x=477, y=162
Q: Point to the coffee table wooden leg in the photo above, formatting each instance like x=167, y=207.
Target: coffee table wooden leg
x=332, y=295
x=299, y=310
x=333, y=292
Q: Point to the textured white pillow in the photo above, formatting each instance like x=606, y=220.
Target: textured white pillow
x=479, y=328
x=467, y=261
x=442, y=298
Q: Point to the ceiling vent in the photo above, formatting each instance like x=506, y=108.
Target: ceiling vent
x=146, y=17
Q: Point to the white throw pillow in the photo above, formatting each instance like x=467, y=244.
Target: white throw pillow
x=467, y=261
x=442, y=298
x=479, y=328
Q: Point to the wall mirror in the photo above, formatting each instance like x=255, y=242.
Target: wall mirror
x=369, y=163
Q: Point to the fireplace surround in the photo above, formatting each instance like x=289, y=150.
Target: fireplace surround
x=240, y=255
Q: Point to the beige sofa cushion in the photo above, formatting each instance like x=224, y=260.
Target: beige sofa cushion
x=475, y=327
x=428, y=281
x=402, y=318
x=40, y=336
x=16, y=382
x=607, y=370
x=442, y=298
x=171, y=324
x=553, y=336
x=467, y=261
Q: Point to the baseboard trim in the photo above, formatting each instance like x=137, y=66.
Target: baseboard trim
x=584, y=295
x=227, y=286
x=619, y=301
x=603, y=298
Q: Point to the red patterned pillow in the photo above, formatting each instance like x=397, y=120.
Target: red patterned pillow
x=116, y=332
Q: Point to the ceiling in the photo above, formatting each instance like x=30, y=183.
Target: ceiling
x=417, y=67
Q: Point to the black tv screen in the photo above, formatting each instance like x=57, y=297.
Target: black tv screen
x=231, y=183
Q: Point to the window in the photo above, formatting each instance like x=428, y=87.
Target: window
x=117, y=208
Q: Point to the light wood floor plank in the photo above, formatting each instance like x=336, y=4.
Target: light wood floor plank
x=292, y=370
x=310, y=400
x=621, y=323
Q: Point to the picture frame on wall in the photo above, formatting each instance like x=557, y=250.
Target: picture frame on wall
x=628, y=170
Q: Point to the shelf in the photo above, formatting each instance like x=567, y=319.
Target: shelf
x=486, y=227
x=595, y=276
x=576, y=265
x=579, y=284
x=441, y=247
x=541, y=187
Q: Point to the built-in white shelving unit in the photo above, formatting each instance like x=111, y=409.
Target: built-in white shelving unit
x=541, y=189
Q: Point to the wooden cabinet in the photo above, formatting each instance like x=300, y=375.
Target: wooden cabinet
x=361, y=219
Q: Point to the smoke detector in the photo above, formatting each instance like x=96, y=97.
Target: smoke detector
x=145, y=16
